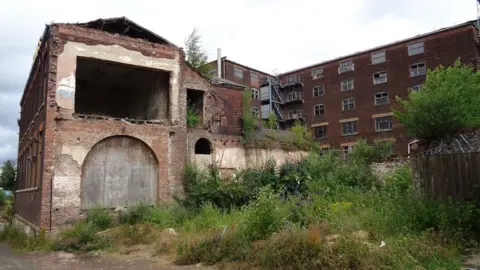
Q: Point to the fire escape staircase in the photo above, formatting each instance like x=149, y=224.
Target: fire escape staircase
x=277, y=101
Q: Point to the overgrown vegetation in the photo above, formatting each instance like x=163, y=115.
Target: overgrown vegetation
x=447, y=102
x=323, y=212
x=192, y=117
x=195, y=56
x=249, y=121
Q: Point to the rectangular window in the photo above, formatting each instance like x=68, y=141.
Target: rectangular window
x=253, y=78
x=295, y=114
x=381, y=98
x=415, y=88
x=318, y=91
x=378, y=57
x=348, y=104
x=349, y=128
x=345, y=66
x=238, y=72
x=319, y=109
x=320, y=132
x=317, y=73
x=347, y=150
x=415, y=48
x=380, y=77
x=255, y=93
x=383, y=123
x=347, y=85
x=418, y=69
x=255, y=111
x=292, y=96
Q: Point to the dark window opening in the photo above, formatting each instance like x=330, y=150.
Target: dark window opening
x=119, y=90
x=203, y=147
x=195, y=102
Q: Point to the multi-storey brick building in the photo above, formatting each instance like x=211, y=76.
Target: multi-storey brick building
x=352, y=96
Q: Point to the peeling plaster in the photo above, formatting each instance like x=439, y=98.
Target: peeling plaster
x=66, y=67
x=78, y=153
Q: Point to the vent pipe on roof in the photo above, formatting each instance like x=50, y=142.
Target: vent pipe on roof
x=219, y=63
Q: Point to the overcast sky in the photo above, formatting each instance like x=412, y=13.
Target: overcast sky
x=266, y=34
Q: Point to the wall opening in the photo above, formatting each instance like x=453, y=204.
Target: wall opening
x=203, y=147
x=119, y=90
x=195, y=102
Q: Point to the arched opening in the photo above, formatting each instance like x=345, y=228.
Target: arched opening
x=203, y=147
x=117, y=172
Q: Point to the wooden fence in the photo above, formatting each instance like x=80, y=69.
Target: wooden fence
x=448, y=175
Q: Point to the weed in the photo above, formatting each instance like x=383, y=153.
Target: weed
x=82, y=237
x=99, y=217
x=135, y=214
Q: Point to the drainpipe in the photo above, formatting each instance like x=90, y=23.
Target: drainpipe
x=219, y=63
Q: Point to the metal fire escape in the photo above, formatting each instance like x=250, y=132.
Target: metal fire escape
x=271, y=98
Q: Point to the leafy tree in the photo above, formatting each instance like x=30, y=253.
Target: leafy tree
x=8, y=175
x=271, y=121
x=447, y=102
x=195, y=56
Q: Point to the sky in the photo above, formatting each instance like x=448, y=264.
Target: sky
x=269, y=35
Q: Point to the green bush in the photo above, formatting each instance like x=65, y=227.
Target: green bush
x=82, y=237
x=99, y=217
x=136, y=213
x=263, y=216
x=192, y=117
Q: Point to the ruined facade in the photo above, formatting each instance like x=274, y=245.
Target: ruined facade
x=103, y=121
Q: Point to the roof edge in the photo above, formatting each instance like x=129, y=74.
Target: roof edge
x=471, y=22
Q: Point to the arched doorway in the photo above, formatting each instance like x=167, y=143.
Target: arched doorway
x=203, y=153
x=203, y=147
x=119, y=171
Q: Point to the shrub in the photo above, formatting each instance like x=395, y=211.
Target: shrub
x=136, y=213
x=82, y=237
x=99, y=217
x=262, y=216
x=169, y=215
x=366, y=153
x=131, y=235
x=18, y=239
x=213, y=249
x=192, y=117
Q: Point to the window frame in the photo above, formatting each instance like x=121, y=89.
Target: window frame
x=345, y=66
x=317, y=73
x=346, y=81
x=418, y=87
x=238, y=70
x=414, y=48
x=324, y=127
x=353, y=128
x=380, y=80
x=322, y=92
x=376, y=98
x=374, y=56
x=321, y=109
x=254, y=75
x=352, y=101
x=390, y=118
x=418, y=69
x=255, y=111
x=255, y=94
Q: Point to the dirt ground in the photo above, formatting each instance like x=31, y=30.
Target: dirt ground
x=13, y=260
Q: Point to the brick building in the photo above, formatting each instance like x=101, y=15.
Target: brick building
x=351, y=97
x=103, y=121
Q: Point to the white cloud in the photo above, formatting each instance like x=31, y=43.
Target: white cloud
x=265, y=34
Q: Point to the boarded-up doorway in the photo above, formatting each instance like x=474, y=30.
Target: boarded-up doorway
x=119, y=171
x=203, y=153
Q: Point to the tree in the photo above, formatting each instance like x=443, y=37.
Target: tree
x=195, y=57
x=447, y=102
x=249, y=121
x=8, y=175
